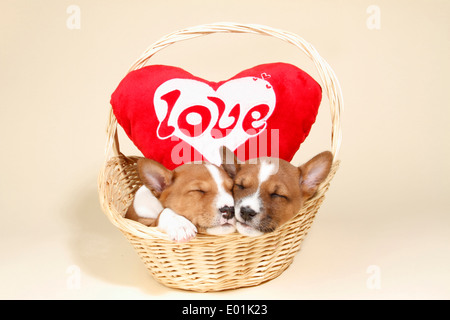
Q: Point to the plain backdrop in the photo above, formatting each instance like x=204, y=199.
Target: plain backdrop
x=383, y=231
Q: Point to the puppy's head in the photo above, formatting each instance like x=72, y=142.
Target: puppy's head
x=272, y=191
x=202, y=193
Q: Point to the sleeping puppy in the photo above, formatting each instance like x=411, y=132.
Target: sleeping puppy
x=192, y=198
x=272, y=191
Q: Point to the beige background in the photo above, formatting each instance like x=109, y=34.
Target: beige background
x=387, y=209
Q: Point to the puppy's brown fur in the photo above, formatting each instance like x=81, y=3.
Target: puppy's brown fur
x=281, y=195
x=188, y=190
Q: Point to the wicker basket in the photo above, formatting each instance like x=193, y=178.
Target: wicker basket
x=213, y=263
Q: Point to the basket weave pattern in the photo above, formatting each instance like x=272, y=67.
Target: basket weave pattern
x=213, y=263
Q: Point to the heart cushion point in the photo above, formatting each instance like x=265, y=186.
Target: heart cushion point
x=174, y=117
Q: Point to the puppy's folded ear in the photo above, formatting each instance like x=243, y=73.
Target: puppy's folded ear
x=314, y=172
x=230, y=163
x=154, y=175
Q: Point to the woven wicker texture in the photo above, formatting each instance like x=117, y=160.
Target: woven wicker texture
x=213, y=263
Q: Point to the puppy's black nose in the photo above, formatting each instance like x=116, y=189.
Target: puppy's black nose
x=247, y=213
x=227, y=212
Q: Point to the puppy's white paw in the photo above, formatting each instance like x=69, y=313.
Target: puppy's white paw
x=145, y=204
x=178, y=228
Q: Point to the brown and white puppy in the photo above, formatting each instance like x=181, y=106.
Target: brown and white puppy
x=192, y=198
x=271, y=191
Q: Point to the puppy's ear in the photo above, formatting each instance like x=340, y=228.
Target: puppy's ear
x=314, y=172
x=154, y=175
x=230, y=163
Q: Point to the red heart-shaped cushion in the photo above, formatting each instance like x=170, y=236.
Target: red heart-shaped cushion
x=174, y=117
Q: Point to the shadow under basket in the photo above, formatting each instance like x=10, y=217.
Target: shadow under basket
x=213, y=263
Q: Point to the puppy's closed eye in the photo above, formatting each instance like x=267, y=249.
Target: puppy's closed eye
x=240, y=186
x=200, y=191
x=197, y=187
x=275, y=195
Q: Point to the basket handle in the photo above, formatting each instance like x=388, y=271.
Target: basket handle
x=327, y=75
